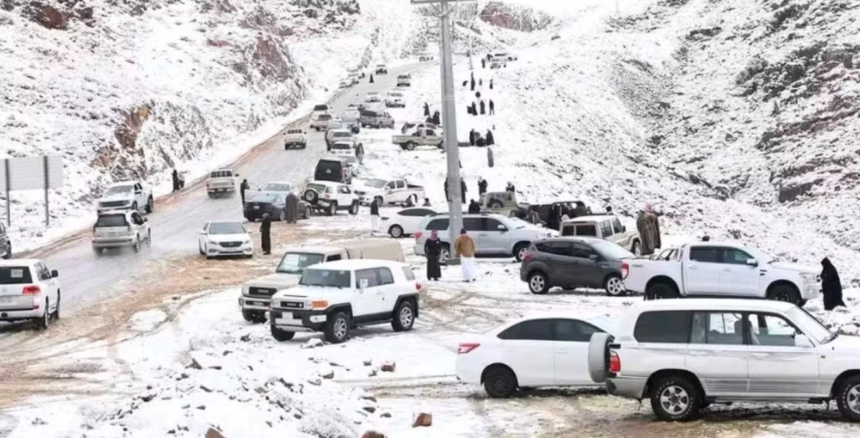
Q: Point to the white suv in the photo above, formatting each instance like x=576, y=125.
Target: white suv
x=330, y=197
x=29, y=291
x=335, y=297
x=117, y=229
x=684, y=355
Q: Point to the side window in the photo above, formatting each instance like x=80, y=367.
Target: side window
x=431, y=133
x=333, y=258
x=717, y=328
x=366, y=274
x=617, y=227
x=582, y=251
x=472, y=224
x=438, y=225
x=705, y=254
x=770, y=330
x=135, y=217
x=488, y=224
x=586, y=230
x=605, y=229
x=567, y=230
x=565, y=249
x=570, y=330
x=670, y=327
x=536, y=330
x=407, y=271
x=401, y=185
x=343, y=190
x=390, y=185
x=385, y=276
x=734, y=256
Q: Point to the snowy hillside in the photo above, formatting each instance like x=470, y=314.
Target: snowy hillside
x=132, y=89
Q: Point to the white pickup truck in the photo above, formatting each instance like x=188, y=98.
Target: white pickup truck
x=129, y=195
x=392, y=191
x=222, y=181
x=419, y=137
x=721, y=270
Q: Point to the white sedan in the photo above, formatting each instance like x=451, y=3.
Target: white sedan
x=532, y=352
x=225, y=239
x=405, y=222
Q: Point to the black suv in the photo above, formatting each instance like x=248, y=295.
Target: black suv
x=571, y=262
x=333, y=169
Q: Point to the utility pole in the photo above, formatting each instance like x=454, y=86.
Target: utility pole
x=449, y=123
x=617, y=9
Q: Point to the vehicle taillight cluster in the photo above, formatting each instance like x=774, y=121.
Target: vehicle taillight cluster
x=625, y=269
x=418, y=235
x=614, y=362
x=527, y=256
x=466, y=347
x=31, y=290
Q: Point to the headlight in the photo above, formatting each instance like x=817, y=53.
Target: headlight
x=247, y=242
x=212, y=242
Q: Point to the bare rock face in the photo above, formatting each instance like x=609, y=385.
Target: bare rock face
x=270, y=61
x=512, y=17
x=48, y=16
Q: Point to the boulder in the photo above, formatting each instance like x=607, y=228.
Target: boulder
x=328, y=375
x=50, y=17
x=423, y=420
x=388, y=367
x=214, y=433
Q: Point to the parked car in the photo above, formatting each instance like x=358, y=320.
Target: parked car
x=372, y=96
x=322, y=108
x=572, y=262
x=275, y=204
x=725, y=270
x=603, y=227
x=349, y=153
x=405, y=222
x=684, y=355
x=295, y=138
x=532, y=352
x=404, y=81
x=412, y=126
x=497, y=64
x=392, y=191
x=29, y=291
x=336, y=297
x=494, y=234
x=420, y=137
x=350, y=114
x=395, y=99
x=5, y=243
x=381, y=69
x=257, y=294
x=506, y=203
x=225, y=239
x=127, y=195
x=504, y=57
x=222, y=181
x=330, y=197
x=335, y=135
x=120, y=228
x=334, y=169
x=376, y=119
x=345, y=83
x=542, y=209
x=320, y=121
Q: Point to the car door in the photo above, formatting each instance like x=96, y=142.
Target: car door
x=717, y=353
x=389, y=291
x=49, y=282
x=570, y=353
x=586, y=270
x=738, y=277
x=778, y=367
x=366, y=302
x=702, y=271
x=400, y=191
x=558, y=256
x=411, y=219
x=493, y=236
x=529, y=350
x=203, y=238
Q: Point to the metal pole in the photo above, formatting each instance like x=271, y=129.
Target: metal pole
x=449, y=117
x=47, y=186
x=8, y=199
x=617, y=9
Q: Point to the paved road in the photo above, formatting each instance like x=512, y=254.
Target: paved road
x=87, y=278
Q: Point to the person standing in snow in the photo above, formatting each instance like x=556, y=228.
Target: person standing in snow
x=490, y=139
x=242, y=187
x=426, y=202
x=831, y=286
x=462, y=191
x=483, y=63
x=608, y=209
x=472, y=137
x=447, y=195
x=492, y=108
x=374, y=215
x=510, y=187
x=175, y=180
x=654, y=222
x=436, y=118
x=474, y=109
x=292, y=208
x=465, y=249
x=371, y=78
x=480, y=83
x=473, y=82
x=426, y=110
x=491, y=84
x=433, y=250
x=482, y=186
x=474, y=207
x=265, y=234
x=483, y=108
x=646, y=235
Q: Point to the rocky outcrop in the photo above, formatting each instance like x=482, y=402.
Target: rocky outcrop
x=513, y=17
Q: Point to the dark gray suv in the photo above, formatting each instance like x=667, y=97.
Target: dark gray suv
x=571, y=262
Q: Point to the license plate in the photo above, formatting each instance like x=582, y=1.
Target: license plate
x=256, y=207
x=7, y=300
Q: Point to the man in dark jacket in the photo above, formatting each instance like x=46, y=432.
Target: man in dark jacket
x=491, y=84
x=482, y=186
x=447, y=195
x=374, y=215
x=462, y=191
x=473, y=82
x=474, y=207
x=554, y=218
x=292, y=212
x=510, y=187
x=490, y=140
x=483, y=108
x=474, y=109
x=580, y=209
x=371, y=78
x=242, y=187
x=831, y=285
x=175, y=181
x=436, y=118
x=492, y=107
x=265, y=234
x=426, y=110
x=483, y=63
x=472, y=134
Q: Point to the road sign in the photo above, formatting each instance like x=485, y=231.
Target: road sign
x=31, y=173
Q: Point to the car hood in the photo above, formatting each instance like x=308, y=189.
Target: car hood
x=278, y=281
x=330, y=294
x=228, y=237
x=845, y=343
x=116, y=198
x=794, y=267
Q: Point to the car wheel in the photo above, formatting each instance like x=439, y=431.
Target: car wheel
x=353, y=209
x=252, y=316
x=661, y=291
x=56, y=314
x=410, y=146
x=332, y=209
x=311, y=196
x=848, y=398
x=636, y=248
x=281, y=335
x=44, y=321
x=500, y=381
x=337, y=328
x=614, y=286
x=675, y=398
x=538, y=283
x=137, y=244
x=785, y=293
x=404, y=317
x=282, y=216
x=445, y=254
x=520, y=251
x=8, y=254
x=150, y=206
x=200, y=249
x=396, y=231
x=598, y=356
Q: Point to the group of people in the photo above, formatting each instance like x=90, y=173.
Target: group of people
x=464, y=249
x=648, y=225
x=475, y=138
x=435, y=118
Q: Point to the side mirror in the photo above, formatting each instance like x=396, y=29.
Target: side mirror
x=362, y=284
x=752, y=262
x=202, y=233
x=800, y=340
x=55, y=274
x=502, y=228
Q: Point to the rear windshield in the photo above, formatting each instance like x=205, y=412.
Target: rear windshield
x=111, y=220
x=15, y=275
x=341, y=134
x=265, y=198
x=226, y=228
x=320, y=107
x=319, y=188
x=296, y=262
x=324, y=117
x=333, y=164
x=342, y=146
x=294, y=131
x=221, y=174
x=326, y=278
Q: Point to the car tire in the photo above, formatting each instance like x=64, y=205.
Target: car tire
x=848, y=398
x=150, y=206
x=445, y=254
x=353, y=209
x=675, y=398
x=614, y=286
x=598, y=356
x=282, y=216
x=8, y=254
x=410, y=146
x=520, y=250
x=499, y=381
x=661, y=291
x=311, y=196
x=395, y=231
x=44, y=321
x=200, y=249
x=337, y=328
x=56, y=314
x=538, y=283
x=136, y=245
x=785, y=293
x=404, y=316
x=636, y=249
x=281, y=335
x=332, y=209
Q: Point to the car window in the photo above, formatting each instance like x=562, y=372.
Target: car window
x=438, y=225
x=401, y=185
x=567, y=230
x=605, y=228
x=325, y=278
x=226, y=228
x=333, y=258
x=295, y=263
x=472, y=223
x=705, y=254
x=582, y=251
x=586, y=230
x=734, y=256
x=385, y=276
x=571, y=330
x=535, y=330
x=2, y=228
x=670, y=327
x=135, y=216
x=720, y=328
x=407, y=271
x=556, y=248
x=771, y=330
x=343, y=189
x=15, y=275
x=366, y=274
x=489, y=224
x=616, y=226
x=112, y=220
x=44, y=272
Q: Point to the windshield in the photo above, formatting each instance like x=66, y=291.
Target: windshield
x=111, y=220
x=612, y=251
x=395, y=94
x=15, y=275
x=319, y=188
x=221, y=174
x=226, y=228
x=325, y=278
x=278, y=187
x=325, y=117
x=119, y=190
x=811, y=326
x=376, y=183
x=295, y=262
x=321, y=108
x=265, y=198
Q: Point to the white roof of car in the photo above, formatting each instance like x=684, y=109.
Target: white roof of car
x=224, y=222
x=115, y=212
x=317, y=249
x=18, y=262
x=591, y=219
x=351, y=265
x=729, y=304
x=327, y=183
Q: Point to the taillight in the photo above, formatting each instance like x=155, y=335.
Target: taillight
x=614, y=362
x=418, y=286
x=625, y=269
x=32, y=290
x=418, y=235
x=466, y=347
x=527, y=256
